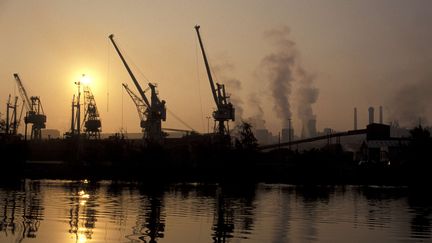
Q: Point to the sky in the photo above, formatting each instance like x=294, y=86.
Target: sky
x=346, y=53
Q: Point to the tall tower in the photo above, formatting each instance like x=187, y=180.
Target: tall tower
x=371, y=115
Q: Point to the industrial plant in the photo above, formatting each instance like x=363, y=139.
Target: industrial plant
x=215, y=152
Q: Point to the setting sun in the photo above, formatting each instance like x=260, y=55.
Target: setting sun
x=85, y=80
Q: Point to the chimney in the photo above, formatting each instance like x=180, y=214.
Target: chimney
x=381, y=114
x=312, y=127
x=355, y=118
x=371, y=115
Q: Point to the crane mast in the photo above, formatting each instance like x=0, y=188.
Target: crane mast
x=225, y=110
x=155, y=111
x=35, y=114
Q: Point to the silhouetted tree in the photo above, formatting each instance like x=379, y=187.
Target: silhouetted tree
x=247, y=139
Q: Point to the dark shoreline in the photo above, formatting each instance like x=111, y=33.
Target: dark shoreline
x=197, y=159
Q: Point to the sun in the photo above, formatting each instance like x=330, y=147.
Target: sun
x=85, y=79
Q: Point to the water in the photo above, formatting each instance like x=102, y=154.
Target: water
x=106, y=211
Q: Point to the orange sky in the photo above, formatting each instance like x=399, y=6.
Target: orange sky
x=362, y=53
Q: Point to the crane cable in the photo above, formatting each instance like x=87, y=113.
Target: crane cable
x=180, y=120
x=130, y=61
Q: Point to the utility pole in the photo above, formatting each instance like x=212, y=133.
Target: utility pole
x=78, y=106
x=279, y=140
x=208, y=124
x=289, y=133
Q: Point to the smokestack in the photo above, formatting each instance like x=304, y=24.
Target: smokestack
x=287, y=134
x=371, y=115
x=312, y=128
x=355, y=118
x=381, y=115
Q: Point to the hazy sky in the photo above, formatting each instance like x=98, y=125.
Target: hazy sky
x=357, y=53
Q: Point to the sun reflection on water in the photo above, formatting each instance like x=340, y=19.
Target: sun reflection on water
x=81, y=238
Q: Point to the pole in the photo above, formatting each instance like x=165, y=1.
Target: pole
x=279, y=140
x=208, y=124
x=79, y=109
x=73, y=116
x=355, y=118
x=14, y=131
x=289, y=133
x=7, y=115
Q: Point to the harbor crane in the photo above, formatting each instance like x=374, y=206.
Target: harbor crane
x=12, y=121
x=224, y=109
x=35, y=114
x=91, y=122
x=155, y=110
x=142, y=112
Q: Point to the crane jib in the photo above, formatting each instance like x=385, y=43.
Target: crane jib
x=23, y=92
x=207, y=67
x=143, y=96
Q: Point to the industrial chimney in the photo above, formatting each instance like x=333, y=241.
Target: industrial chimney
x=381, y=115
x=312, y=128
x=355, y=118
x=371, y=115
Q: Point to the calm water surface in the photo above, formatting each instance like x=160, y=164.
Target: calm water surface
x=107, y=211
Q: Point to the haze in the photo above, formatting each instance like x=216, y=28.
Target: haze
x=354, y=54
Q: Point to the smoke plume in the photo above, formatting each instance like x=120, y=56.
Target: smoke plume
x=233, y=86
x=307, y=95
x=283, y=68
x=411, y=104
x=257, y=119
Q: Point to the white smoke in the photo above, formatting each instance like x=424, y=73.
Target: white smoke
x=282, y=67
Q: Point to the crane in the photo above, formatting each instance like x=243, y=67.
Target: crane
x=224, y=109
x=140, y=105
x=155, y=111
x=11, y=119
x=91, y=122
x=142, y=112
x=35, y=114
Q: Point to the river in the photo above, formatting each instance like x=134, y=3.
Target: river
x=112, y=211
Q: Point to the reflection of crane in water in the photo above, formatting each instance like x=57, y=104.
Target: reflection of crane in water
x=223, y=225
x=82, y=214
x=150, y=223
x=21, y=214
x=155, y=226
